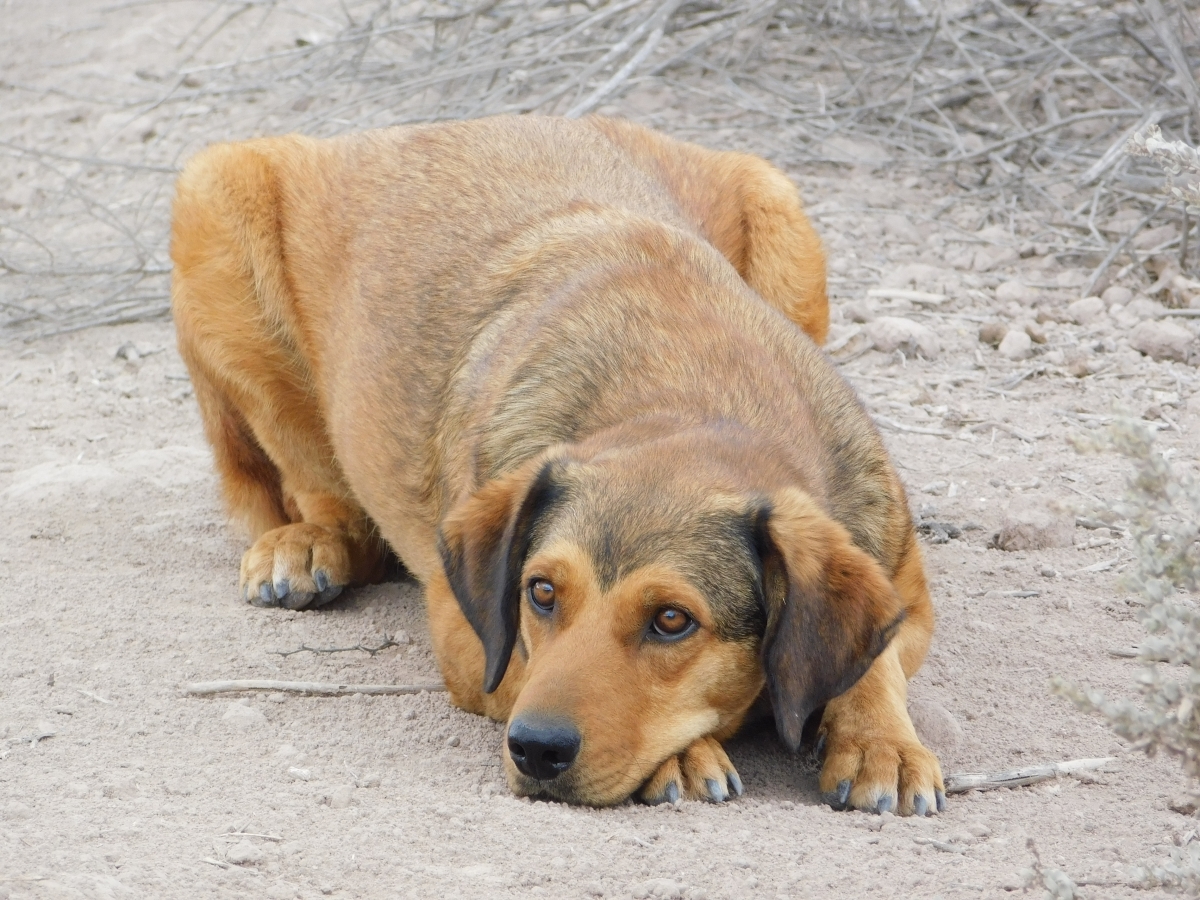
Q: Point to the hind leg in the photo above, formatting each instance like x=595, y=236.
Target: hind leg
x=254, y=388
x=746, y=208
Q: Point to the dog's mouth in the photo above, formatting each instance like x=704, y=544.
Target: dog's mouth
x=575, y=786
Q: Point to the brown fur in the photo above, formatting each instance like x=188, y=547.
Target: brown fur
x=523, y=348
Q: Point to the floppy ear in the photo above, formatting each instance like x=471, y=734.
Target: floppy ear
x=483, y=543
x=830, y=607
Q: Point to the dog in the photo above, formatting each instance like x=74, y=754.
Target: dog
x=569, y=372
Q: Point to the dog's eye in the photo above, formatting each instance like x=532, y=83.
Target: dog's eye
x=671, y=623
x=541, y=595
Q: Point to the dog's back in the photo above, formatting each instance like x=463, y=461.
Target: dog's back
x=387, y=252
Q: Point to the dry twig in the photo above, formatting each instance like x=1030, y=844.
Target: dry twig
x=961, y=782
x=207, y=688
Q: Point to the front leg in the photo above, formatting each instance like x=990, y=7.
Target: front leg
x=874, y=760
x=701, y=772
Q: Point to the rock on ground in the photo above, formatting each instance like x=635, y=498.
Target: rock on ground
x=891, y=333
x=1016, y=345
x=1086, y=311
x=1035, y=528
x=936, y=726
x=1163, y=340
x=240, y=715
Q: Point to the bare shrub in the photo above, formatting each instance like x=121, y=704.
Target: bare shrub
x=1162, y=510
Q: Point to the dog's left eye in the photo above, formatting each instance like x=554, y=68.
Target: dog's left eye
x=671, y=623
x=541, y=595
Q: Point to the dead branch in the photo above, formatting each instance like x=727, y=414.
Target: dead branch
x=207, y=688
x=967, y=90
x=961, y=782
x=385, y=644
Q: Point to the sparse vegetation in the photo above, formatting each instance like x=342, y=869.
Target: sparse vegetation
x=1162, y=512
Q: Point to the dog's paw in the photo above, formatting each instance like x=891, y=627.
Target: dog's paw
x=296, y=566
x=877, y=772
x=701, y=772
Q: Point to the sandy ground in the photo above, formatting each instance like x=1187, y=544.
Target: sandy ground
x=122, y=587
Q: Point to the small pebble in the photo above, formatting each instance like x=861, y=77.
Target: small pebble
x=244, y=853
x=300, y=774
x=1015, y=290
x=979, y=829
x=935, y=725
x=992, y=333
x=1036, y=332
x=409, y=714
x=1016, y=345
x=242, y=716
x=1164, y=340
x=121, y=789
x=1116, y=294
x=659, y=889
x=1086, y=311
x=452, y=741
x=370, y=780
x=15, y=811
x=1028, y=527
x=891, y=333
x=1047, y=571
x=860, y=311
x=340, y=796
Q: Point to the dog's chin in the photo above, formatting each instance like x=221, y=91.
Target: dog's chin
x=567, y=788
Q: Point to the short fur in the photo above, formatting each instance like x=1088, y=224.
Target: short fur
x=532, y=348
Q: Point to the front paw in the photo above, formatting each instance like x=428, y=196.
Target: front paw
x=701, y=772
x=296, y=566
x=877, y=772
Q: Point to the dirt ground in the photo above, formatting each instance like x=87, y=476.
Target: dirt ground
x=122, y=587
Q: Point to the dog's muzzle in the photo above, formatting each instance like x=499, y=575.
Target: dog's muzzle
x=542, y=748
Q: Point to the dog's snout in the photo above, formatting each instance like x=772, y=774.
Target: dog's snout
x=542, y=748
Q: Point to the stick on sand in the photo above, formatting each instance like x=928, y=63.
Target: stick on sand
x=204, y=688
x=970, y=781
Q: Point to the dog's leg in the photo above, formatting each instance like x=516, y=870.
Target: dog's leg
x=748, y=209
x=873, y=757
x=701, y=772
x=237, y=334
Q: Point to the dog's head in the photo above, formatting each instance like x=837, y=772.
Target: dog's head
x=650, y=602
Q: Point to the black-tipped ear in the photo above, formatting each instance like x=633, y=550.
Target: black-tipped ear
x=830, y=609
x=483, y=544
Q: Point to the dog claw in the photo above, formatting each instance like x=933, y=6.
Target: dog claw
x=716, y=793
x=885, y=803
x=940, y=796
x=920, y=806
x=321, y=579
x=670, y=794
x=262, y=597
x=282, y=588
x=296, y=600
x=819, y=749
x=841, y=797
x=735, y=783
x=328, y=595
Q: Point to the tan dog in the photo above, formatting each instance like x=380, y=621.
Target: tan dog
x=566, y=370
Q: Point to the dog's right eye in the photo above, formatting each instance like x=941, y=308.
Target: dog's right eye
x=541, y=595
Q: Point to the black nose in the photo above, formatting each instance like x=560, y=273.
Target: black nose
x=542, y=748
